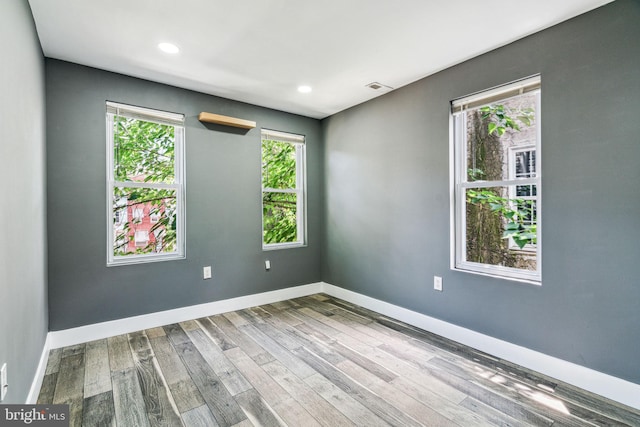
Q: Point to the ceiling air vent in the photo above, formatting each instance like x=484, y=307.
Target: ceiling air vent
x=378, y=86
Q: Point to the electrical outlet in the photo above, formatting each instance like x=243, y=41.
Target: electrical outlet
x=206, y=272
x=3, y=382
x=437, y=283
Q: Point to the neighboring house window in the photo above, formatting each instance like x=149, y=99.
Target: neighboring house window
x=138, y=214
x=141, y=238
x=145, y=173
x=283, y=190
x=522, y=164
x=496, y=182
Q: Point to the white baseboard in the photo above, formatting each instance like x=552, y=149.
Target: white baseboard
x=132, y=324
x=617, y=389
x=611, y=387
x=57, y=339
x=32, y=398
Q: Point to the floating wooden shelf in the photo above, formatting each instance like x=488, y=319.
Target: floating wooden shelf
x=226, y=120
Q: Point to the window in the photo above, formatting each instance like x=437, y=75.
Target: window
x=145, y=173
x=283, y=190
x=141, y=237
x=496, y=182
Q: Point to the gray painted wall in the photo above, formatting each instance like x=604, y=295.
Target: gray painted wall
x=387, y=196
x=223, y=209
x=23, y=284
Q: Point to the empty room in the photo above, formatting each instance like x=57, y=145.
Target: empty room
x=337, y=213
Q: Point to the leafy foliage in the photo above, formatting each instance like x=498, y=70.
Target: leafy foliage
x=500, y=118
x=144, y=152
x=279, y=208
x=517, y=213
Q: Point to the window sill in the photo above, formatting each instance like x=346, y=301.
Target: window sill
x=277, y=246
x=143, y=259
x=494, y=275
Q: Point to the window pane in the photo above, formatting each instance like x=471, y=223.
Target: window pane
x=143, y=151
x=492, y=131
x=525, y=164
x=500, y=231
x=278, y=164
x=142, y=234
x=279, y=222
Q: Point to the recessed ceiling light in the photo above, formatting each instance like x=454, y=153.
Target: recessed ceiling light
x=304, y=89
x=168, y=48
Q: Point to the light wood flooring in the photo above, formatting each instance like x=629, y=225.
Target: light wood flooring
x=312, y=361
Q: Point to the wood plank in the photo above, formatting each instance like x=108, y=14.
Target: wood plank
x=70, y=384
x=48, y=388
x=97, y=374
x=405, y=368
x=170, y=363
x=216, y=334
x=186, y=395
x=200, y=417
x=70, y=379
x=294, y=414
x=258, y=411
x=280, y=353
x=489, y=414
x=72, y=350
x=563, y=412
x=236, y=318
x=98, y=410
x=369, y=399
x=259, y=379
x=53, y=363
x=226, y=371
x=281, y=333
x=316, y=405
x=183, y=389
x=161, y=409
x=119, y=353
x=403, y=402
x=608, y=408
x=364, y=362
x=449, y=409
x=492, y=399
x=155, y=332
x=314, y=323
x=128, y=401
x=248, y=346
x=226, y=120
x=280, y=311
x=222, y=405
x=358, y=413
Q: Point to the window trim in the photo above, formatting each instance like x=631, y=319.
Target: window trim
x=300, y=190
x=157, y=116
x=459, y=184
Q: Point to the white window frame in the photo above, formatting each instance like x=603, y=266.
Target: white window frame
x=300, y=190
x=177, y=121
x=459, y=183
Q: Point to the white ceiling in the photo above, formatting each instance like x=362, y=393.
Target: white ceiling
x=260, y=51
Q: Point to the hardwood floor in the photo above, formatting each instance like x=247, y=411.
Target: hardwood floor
x=313, y=361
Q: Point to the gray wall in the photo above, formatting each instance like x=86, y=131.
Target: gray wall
x=387, y=196
x=223, y=210
x=23, y=284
